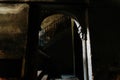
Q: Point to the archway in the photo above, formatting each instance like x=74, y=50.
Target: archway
x=60, y=40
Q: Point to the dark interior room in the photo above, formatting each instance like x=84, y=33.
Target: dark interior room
x=59, y=40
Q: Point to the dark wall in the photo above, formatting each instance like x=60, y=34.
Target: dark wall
x=104, y=27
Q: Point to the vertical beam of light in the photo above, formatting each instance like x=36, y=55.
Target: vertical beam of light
x=85, y=52
x=87, y=64
x=88, y=47
x=84, y=49
x=89, y=56
x=84, y=59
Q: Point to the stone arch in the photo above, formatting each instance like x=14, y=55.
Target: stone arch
x=60, y=14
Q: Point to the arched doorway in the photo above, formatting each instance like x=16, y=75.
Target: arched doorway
x=60, y=41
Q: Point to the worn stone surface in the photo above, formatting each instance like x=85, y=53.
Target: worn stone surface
x=13, y=29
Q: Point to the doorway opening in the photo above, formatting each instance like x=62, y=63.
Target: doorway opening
x=60, y=47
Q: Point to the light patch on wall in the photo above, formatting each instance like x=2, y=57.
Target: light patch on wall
x=11, y=9
x=10, y=18
x=51, y=19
